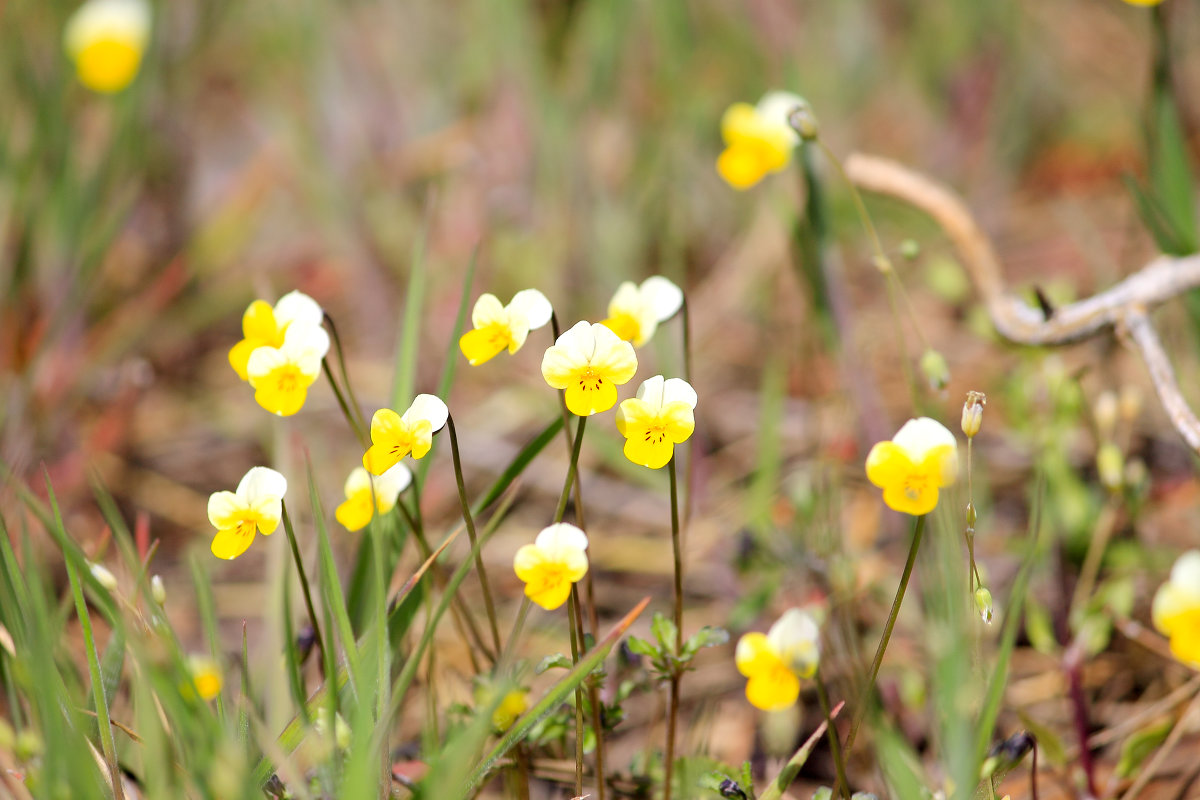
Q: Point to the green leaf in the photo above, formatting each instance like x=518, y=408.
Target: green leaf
x=555, y=661
x=707, y=636
x=642, y=647
x=1170, y=169
x=1141, y=744
x=664, y=631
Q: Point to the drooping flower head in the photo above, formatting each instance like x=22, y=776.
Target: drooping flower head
x=758, y=139
x=106, y=40
x=264, y=326
x=257, y=505
x=498, y=327
x=589, y=362
x=775, y=662
x=394, y=436
x=635, y=311
x=556, y=559
x=281, y=375
x=659, y=418
x=920, y=459
x=1176, y=609
x=367, y=494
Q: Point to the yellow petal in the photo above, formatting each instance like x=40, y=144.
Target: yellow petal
x=527, y=562
x=1185, y=638
x=229, y=543
x=624, y=325
x=941, y=463
x=482, y=344
x=590, y=396
x=356, y=511
x=887, y=465
x=741, y=166
x=225, y=509
x=422, y=438
x=753, y=654
x=912, y=498
x=548, y=595
x=379, y=458
x=108, y=65
x=738, y=122
x=648, y=450
x=773, y=690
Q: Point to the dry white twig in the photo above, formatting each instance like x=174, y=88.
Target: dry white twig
x=1122, y=306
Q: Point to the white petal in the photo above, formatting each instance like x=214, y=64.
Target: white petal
x=578, y=344
x=487, y=310
x=391, y=483
x=222, y=506
x=651, y=391
x=263, y=360
x=795, y=628
x=262, y=483
x=678, y=390
x=561, y=536
x=127, y=20
x=627, y=300
x=775, y=107
x=302, y=339
x=427, y=406
x=661, y=296
x=919, y=436
x=604, y=340
x=298, y=307
x=358, y=480
x=1186, y=573
x=532, y=306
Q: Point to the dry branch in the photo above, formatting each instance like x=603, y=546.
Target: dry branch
x=1122, y=306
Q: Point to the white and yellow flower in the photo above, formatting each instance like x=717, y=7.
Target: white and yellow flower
x=1176, y=609
x=659, y=418
x=257, y=505
x=281, y=375
x=556, y=560
x=206, y=676
x=498, y=327
x=368, y=494
x=776, y=662
x=758, y=139
x=635, y=311
x=919, y=460
x=107, y=39
x=394, y=436
x=589, y=362
x=264, y=326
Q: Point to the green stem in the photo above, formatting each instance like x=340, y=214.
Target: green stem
x=341, y=355
x=469, y=519
x=571, y=470
x=834, y=747
x=308, y=603
x=359, y=431
x=576, y=645
x=676, y=675
x=860, y=712
x=515, y=636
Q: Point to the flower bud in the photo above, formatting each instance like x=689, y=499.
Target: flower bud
x=971, y=516
x=909, y=249
x=804, y=122
x=157, y=590
x=972, y=413
x=104, y=577
x=983, y=604
x=1130, y=402
x=935, y=369
x=1105, y=411
x=1110, y=464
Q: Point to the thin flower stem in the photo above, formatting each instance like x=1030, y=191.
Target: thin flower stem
x=359, y=432
x=835, y=748
x=571, y=470
x=312, y=613
x=572, y=602
x=470, y=523
x=593, y=700
x=860, y=712
x=341, y=355
x=515, y=636
x=676, y=675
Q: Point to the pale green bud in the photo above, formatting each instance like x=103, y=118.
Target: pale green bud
x=935, y=369
x=157, y=590
x=983, y=604
x=1110, y=464
x=104, y=577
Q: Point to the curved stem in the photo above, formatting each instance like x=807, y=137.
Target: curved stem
x=341, y=355
x=571, y=470
x=834, y=747
x=470, y=523
x=359, y=431
x=308, y=603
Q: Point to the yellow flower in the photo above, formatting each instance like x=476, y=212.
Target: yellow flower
x=511, y=706
x=919, y=460
x=281, y=375
x=635, y=311
x=106, y=40
x=589, y=362
x=367, y=493
x=264, y=326
x=206, y=676
x=498, y=327
x=659, y=418
x=554, y=561
x=758, y=139
x=257, y=505
x=394, y=436
x=1143, y=2
x=1176, y=609
x=775, y=662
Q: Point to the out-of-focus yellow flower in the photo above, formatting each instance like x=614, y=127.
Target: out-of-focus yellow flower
x=281, y=375
x=257, y=505
x=659, y=418
x=206, y=676
x=394, y=436
x=556, y=559
x=589, y=361
x=635, y=311
x=758, y=139
x=264, y=326
x=367, y=493
x=1143, y=2
x=1176, y=609
x=920, y=459
x=775, y=662
x=514, y=704
x=498, y=327
x=106, y=40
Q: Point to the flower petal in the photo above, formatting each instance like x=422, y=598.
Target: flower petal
x=739, y=121
x=661, y=296
x=229, y=543
x=488, y=310
x=651, y=392
x=483, y=344
x=261, y=483
x=355, y=511
x=753, y=654
x=919, y=436
x=390, y=484
x=531, y=306
x=427, y=407
x=559, y=538
x=593, y=398
x=888, y=465
x=773, y=690
x=298, y=308
x=225, y=509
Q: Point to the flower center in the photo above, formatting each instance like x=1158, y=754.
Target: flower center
x=287, y=379
x=590, y=380
x=655, y=434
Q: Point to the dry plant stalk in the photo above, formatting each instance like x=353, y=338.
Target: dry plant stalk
x=1122, y=307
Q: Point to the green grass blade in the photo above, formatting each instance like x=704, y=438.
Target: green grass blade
x=410, y=329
